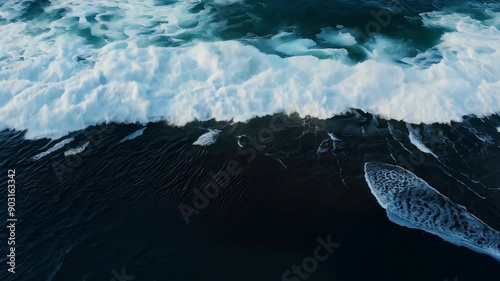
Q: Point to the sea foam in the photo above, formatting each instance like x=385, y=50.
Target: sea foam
x=411, y=202
x=134, y=135
x=76, y=150
x=56, y=147
x=54, y=81
x=416, y=140
x=208, y=138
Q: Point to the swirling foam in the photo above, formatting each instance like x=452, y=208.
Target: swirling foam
x=411, y=202
x=136, y=62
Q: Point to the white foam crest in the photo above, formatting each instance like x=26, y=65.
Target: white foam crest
x=337, y=37
x=55, y=82
x=208, y=138
x=77, y=150
x=385, y=49
x=411, y=202
x=290, y=44
x=56, y=147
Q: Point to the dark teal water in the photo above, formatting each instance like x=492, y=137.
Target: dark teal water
x=116, y=204
x=120, y=206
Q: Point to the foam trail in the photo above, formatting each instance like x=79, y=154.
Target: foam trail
x=57, y=146
x=416, y=140
x=479, y=135
x=396, y=135
x=208, y=138
x=411, y=202
x=333, y=137
x=134, y=135
x=77, y=150
x=325, y=146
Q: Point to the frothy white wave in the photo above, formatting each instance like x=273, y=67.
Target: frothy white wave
x=57, y=146
x=55, y=82
x=77, y=150
x=411, y=202
x=208, y=138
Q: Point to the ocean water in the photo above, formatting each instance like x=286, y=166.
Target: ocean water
x=228, y=139
x=67, y=65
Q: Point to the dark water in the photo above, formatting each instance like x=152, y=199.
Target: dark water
x=115, y=206
x=132, y=210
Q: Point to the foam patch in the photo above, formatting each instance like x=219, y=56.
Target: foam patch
x=81, y=64
x=208, y=138
x=411, y=202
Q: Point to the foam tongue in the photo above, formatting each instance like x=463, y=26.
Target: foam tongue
x=411, y=202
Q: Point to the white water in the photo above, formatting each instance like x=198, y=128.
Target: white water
x=411, y=202
x=134, y=135
x=54, y=82
x=56, y=147
x=208, y=138
x=416, y=140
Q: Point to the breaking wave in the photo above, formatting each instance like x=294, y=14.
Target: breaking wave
x=79, y=64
